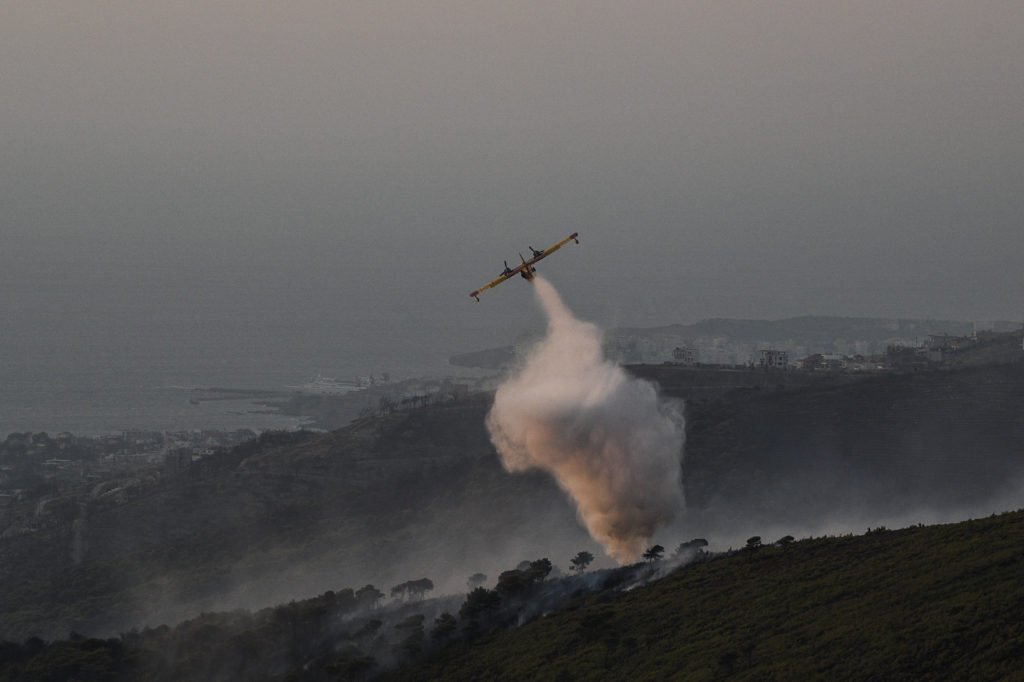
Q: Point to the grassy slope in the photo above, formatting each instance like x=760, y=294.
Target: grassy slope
x=938, y=602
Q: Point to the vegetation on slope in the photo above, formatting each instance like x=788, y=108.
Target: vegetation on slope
x=286, y=516
x=939, y=602
x=887, y=445
x=289, y=516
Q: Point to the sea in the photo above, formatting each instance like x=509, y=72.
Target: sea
x=103, y=397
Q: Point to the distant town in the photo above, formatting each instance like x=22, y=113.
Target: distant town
x=940, y=351
x=44, y=478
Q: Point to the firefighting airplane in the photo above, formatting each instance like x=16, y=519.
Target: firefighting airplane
x=525, y=269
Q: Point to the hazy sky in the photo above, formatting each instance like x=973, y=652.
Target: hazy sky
x=341, y=174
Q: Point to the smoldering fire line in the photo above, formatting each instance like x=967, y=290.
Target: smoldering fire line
x=605, y=437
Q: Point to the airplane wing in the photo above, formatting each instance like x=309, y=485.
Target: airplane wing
x=575, y=236
x=526, y=264
x=504, y=276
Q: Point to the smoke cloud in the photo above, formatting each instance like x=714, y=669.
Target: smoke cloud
x=604, y=436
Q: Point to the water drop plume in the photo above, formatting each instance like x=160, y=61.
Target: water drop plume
x=605, y=436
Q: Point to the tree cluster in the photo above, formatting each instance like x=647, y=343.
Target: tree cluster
x=412, y=589
x=344, y=634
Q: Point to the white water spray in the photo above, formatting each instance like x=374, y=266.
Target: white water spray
x=604, y=436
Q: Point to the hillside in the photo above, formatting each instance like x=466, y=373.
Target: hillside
x=287, y=516
x=939, y=602
x=421, y=493
x=891, y=449
x=921, y=603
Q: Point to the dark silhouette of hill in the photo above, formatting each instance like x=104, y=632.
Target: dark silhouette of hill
x=421, y=492
x=920, y=603
x=935, y=444
x=286, y=516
